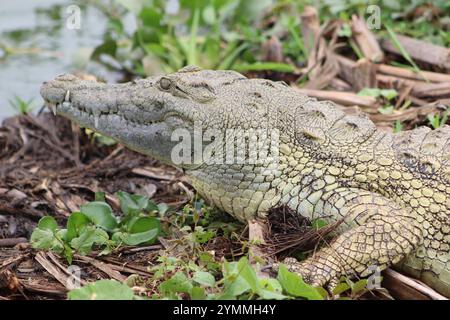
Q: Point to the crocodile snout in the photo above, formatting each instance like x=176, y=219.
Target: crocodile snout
x=57, y=91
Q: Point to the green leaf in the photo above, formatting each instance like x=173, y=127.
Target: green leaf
x=109, y=47
x=177, y=283
x=319, y=224
x=388, y=93
x=198, y=293
x=209, y=15
x=47, y=223
x=204, y=278
x=248, y=274
x=102, y=290
x=143, y=224
x=133, y=239
x=359, y=286
x=140, y=230
x=340, y=288
x=44, y=236
x=132, y=204
x=234, y=285
x=369, y=92
x=88, y=237
x=162, y=208
x=265, y=66
x=192, y=47
x=43, y=239
x=100, y=196
x=295, y=286
x=398, y=126
x=402, y=50
x=100, y=213
x=76, y=222
x=388, y=109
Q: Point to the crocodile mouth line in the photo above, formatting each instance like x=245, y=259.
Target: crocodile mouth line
x=67, y=107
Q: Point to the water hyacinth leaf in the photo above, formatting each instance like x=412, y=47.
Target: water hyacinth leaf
x=143, y=224
x=47, y=223
x=76, y=222
x=102, y=290
x=132, y=203
x=100, y=213
x=133, y=239
x=90, y=236
x=43, y=239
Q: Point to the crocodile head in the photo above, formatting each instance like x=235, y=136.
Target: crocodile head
x=143, y=114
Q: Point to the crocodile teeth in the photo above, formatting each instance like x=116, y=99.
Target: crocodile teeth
x=53, y=107
x=67, y=97
x=96, y=121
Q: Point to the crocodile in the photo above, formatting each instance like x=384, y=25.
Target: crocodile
x=391, y=191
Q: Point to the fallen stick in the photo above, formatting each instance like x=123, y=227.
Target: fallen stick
x=343, y=98
x=409, y=114
x=398, y=278
x=420, y=51
x=419, y=89
x=360, y=74
x=408, y=74
x=56, y=272
x=432, y=90
x=11, y=242
x=366, y=40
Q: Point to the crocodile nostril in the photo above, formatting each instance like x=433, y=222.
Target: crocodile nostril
x=66, y=77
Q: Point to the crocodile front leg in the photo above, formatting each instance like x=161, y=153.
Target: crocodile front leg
x=383, y=233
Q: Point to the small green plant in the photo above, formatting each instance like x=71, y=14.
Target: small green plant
x=355, y=289
x=387, y=95
x=398, y=127
x=103, y=290
x=238, y=280
x=96, y=225
x=436, y=121
x=99, y=138
x=20, y=105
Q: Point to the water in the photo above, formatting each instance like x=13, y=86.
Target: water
x=42, y=46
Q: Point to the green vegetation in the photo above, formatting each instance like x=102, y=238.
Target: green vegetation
x=230, y=34
x=211, y=34
x=96, y=225
x=21, y=106
x=438, y=121
x=216, y=34
x=191, y=272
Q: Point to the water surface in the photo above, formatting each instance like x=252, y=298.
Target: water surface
x=36, y=45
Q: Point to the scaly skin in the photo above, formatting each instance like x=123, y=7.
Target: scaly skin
x=392, y=190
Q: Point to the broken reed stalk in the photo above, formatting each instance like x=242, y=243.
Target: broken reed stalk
x=420, y=51
x=366, y=40
x=411, y=75
x=343, y=98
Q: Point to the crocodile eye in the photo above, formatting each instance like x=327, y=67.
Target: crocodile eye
x=165, y=83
